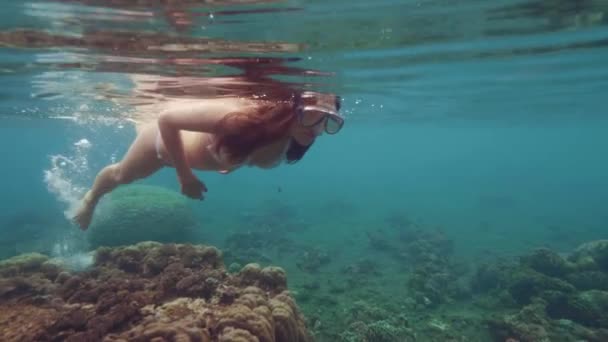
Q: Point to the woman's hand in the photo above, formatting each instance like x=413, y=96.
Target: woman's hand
x=192, y=187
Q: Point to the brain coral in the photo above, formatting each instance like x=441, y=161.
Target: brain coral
x=136, y=213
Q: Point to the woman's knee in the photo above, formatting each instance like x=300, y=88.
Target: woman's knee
x=120, y=175
x=125, y=173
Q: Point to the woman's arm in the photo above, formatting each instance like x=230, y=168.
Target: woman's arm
x=191, y=117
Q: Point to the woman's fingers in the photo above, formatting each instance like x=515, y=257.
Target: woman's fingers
x=194, y=189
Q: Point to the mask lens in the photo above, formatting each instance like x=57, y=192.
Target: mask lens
x=334, y=124
x=310, y=118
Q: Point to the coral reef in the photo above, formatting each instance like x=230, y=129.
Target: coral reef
x=592, y=256
x=369, y=322
x=256, y=245
x=540, y=296
x=378, y=331
x=553, y=298
x=311, y=259
x=266, y=237
x=434, y=277
x=138, y=213
x=273, y=215
x=147, y=292
x=373, y=323
x=547, y=262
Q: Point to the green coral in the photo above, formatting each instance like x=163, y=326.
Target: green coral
x=143, y=213
x=547, y=262
x=587, y=308
x=591, y=256
x=528, y=325
x=589, y=280
x=528, y=284
x=377, y=331
x=383, y=331
x=22, y=263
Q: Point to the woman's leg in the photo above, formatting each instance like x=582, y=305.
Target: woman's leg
x=140, y=161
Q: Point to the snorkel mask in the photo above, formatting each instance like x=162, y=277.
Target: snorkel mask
x=312, y=115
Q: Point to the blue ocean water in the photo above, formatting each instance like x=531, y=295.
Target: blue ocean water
x=484, y=119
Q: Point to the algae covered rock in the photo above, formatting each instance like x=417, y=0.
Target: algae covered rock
x=589, y=280
x=547, y=262
x=138, y=213
x=591, y=256
x=587, y=308
x=526, y=285
x=22, y=263
x=528, y=325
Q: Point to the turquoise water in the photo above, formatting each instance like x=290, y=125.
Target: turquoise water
x=485, y=119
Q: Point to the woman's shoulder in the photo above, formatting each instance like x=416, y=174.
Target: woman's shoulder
x=219, y=106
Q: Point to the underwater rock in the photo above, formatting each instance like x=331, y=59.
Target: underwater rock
x=522, y=282
x=258, y=245
x=435, y=278
x=312, y=259
x=378, y=331
x=547, y=262
x=22, y=263
x=366, y=312
x=591, y=256
x=490, y=276
x=137, y=213
x=589, y=280
x=533, y=324
x=589, y=308
x=149, y=292
x=431, y=247
x=362, y=269
x=558, y=299
x=383, y=331
x=379, y=241
x=529, y=284
x=528, y=325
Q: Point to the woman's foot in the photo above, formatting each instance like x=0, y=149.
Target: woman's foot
x=84, y=214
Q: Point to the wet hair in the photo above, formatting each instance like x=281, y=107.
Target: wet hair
x=241, y=133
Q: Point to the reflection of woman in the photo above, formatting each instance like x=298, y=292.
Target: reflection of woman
x=220, y=134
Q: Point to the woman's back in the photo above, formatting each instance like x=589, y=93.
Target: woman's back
x=201, y=147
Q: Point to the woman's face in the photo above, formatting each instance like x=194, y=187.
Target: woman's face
x=306, y=130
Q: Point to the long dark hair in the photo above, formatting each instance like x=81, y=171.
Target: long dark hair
x=241, y=133
x=244, y=132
